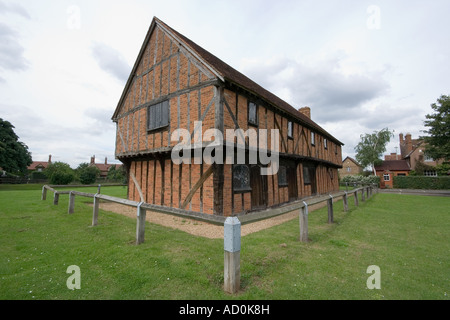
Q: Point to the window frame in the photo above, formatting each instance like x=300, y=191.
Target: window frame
x=313, y=138
x=306, y=176
x=290, y=130
x=325, y=143
x=255, y=123
x=282, y=177
x=388, y=177
x=164, y=109
x=245, y=188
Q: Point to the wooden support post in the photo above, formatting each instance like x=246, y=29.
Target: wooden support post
x=303, y=220
x=330, y=209
x=44, y=193
x=140, y=225
x=71, y=202
x=232, y=255
x=345, y=201
x=95, y=210
x=99, y=188
x=356, y=198
x=56, y=198
x=363, y=197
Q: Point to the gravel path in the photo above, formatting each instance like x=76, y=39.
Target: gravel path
x=199, y=228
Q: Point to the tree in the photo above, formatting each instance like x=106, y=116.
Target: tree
x=438, y=141
x=14, y=155
x=117, y=174
x=59, y=173
x=371, y=147
x=88, y=174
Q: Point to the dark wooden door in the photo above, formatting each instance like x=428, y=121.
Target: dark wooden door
x=258, y=183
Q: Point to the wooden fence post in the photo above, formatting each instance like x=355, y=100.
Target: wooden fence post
x=330, y=209
x=56, y=198
x=345, y=201
x=363, y=197
x=303, y=221
x=232, y=254
x=71, y=202
x=44, y=193
x=95, y=210
x=356, y=198
x=140, y=225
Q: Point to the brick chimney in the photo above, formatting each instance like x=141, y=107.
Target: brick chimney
x=106, y=160
x=49, y=159
x=93, y=159
x=306, y=111
x=408, y=143
x=392, y=156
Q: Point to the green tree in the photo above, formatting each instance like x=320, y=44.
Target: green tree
x=88, y=174
x=117, y=174
x=14, y=155
x=438, y=139
x=371, y=147
x=59, y=173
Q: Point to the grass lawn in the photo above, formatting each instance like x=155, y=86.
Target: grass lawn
x=407, y=237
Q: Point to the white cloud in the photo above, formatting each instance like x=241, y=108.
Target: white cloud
x=111, y=61
x=60, y=85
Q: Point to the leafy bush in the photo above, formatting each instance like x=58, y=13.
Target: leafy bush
x=422, y=182
x=118, y=175
x=360, y=180
x=88, y=175
x=59, y=173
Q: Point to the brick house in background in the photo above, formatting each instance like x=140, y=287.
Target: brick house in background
x=39, y=166
x=103, y=167
x=413, y=151
x=390, y=168
x=174, y=83
x=350, y=167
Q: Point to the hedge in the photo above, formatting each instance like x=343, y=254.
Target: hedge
x=422, y=182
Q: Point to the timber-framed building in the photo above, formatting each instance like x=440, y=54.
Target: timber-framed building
x=175, y=84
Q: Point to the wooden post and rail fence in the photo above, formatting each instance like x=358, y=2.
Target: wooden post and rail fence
x=232, y=225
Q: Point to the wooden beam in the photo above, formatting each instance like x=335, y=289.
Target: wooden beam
x=197, y=185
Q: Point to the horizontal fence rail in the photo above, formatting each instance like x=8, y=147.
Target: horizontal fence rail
x=232, y=225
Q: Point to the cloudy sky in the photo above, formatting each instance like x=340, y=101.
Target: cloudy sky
x=360, y=65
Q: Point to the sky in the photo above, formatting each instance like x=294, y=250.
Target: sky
x=360, y=66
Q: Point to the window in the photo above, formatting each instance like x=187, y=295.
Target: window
x=349, y=169
x=306, y=175
x=427, y=158
x=252, y=114
x=282, y=178
x=387, y=177
x=325, y=143
x=290, y=130
x=158, y=115
x=241, y=178
x=313, y=139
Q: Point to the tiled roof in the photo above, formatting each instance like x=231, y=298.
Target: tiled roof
x=232, y=75
x=36, y=164
x=393, y=165
x=228, y=73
